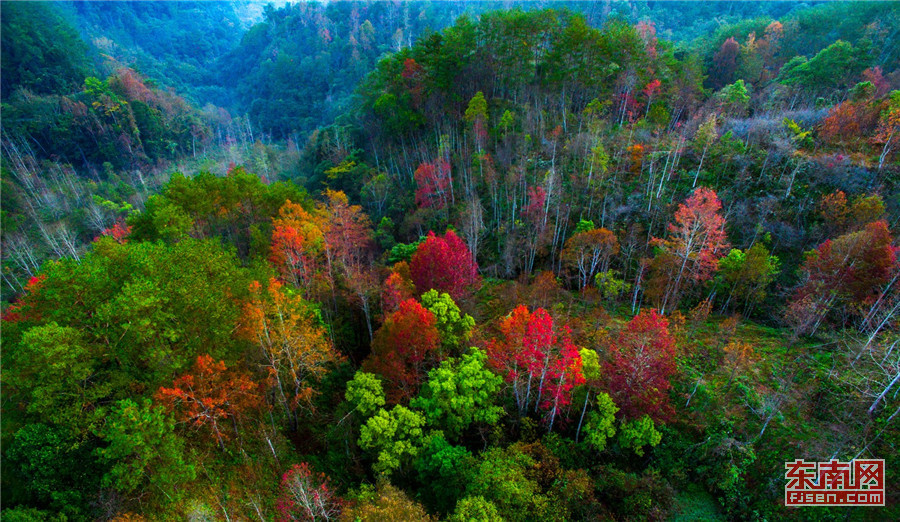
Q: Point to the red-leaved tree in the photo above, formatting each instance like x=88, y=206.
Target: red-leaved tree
x=641, y=361
x=414, y=77
x=119, y=231
x=307, y=496
x=696, y=241
x=725, y=63
x=433, y=182
x=445, y=264
x=404, y=349
x=538, y=360
x=845, y=273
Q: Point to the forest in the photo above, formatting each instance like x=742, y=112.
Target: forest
x=434, y=260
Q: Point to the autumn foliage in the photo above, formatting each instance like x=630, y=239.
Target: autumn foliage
x=119, y=231
x=847, y=273
x=433, y=181
x=397, y=288
x=297, y=243
x=307, y=496
x=589, y=252
x=849, y=120
x=294, y=348
x=698, y=234
x=350, y=250
x=211, y=396
x=696, y=241
x=404, y=349
x=725, y=62
x=641, y=362
x=24, y=309
x=538, y=360
x=445, y=264
x=538, y=267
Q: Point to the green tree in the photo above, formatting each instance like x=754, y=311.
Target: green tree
x=704, y=138
x=26, y=514
x=477, y=108
x=506, y=121
x=58, y=375
x=454, y=326
x=148, y=309
x=41, y=51
x=145, y=313
x=748, y=274
x=365, y=393
x=475, y=509
x=584, y=225
x=600, y=425
x=734, y=99
x=502, y=478
x=609, y=285
x=143, y=449
x=55, y=469
x=168, y=221
x=590, y=369
x=459, y=393
x=394, y=437
x=444, y=469
x=834, y=66
x=639, y=433
x=801, y=138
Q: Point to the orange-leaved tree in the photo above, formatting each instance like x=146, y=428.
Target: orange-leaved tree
x=350, y=250
x=398, y=287
x=297, y=245
x=209, y=395
x=587, y=253
x=294, y=346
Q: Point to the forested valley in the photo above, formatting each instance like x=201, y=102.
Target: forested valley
x=467, y=261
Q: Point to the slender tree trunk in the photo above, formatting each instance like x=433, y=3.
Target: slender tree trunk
x=696, y=385
x=697, y=174
x=583, y=410
x=883, y=393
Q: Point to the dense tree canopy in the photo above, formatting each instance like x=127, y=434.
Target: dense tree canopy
x=445, y=260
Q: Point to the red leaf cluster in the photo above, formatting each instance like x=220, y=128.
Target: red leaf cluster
x=24, y=309
x=306, y=495
x=445, y=264
x=120, y=232
x=698, y=234
x=537, y=198
x=404, y=349
x=853, y=266
x=433, y=182
x=540, y=361
x=641, y=361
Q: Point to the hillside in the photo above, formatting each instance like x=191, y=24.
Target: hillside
x=446, y=260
